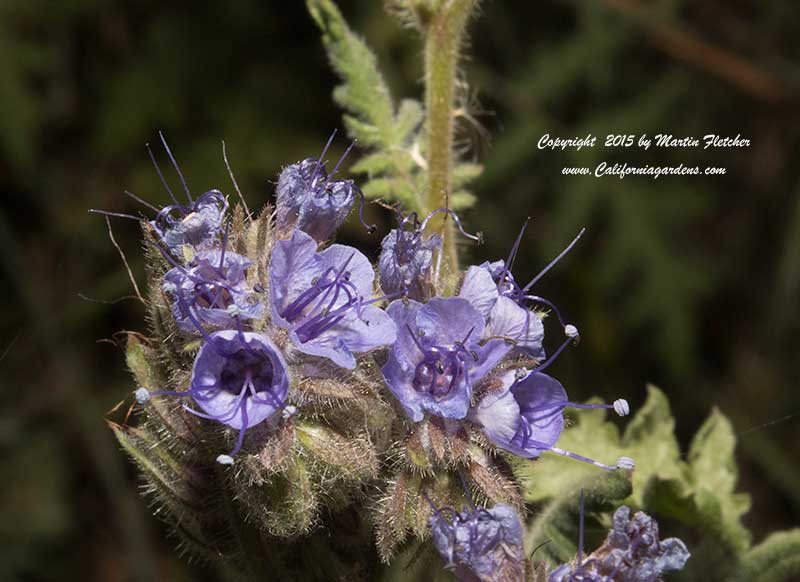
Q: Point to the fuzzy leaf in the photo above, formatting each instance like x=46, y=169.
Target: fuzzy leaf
x=177, y=489
x=383, y=161
x=139, y=359
x=461, y=200
x=465, y=173
x=714, y=477
x=407, y=121
x=391, y=189
x=370, y=115
x=364, y=92
x=776, y=559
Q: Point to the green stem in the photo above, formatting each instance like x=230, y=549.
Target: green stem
x=443, y=36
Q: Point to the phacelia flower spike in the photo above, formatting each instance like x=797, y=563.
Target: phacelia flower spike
x=214, y=288
x=325, y=300
x=407, y=255
x=526, y=416
x=197, y=223
x=309, y=199
x=437, y=357
x=239, y=379
x=483, y=544
x=632, y=552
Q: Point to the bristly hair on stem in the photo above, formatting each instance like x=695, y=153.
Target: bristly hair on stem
x=444, y=34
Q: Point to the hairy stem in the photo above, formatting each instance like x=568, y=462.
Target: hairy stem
x=443, y=37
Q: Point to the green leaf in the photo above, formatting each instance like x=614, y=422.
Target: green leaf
x=409, y=117
x=714, y=474
x=370, y=115
x=139, y=359
x=465, y=173
x=364, y=92
x=698, y=492
x=391, y=189
x=461, y=200
x=776, y=559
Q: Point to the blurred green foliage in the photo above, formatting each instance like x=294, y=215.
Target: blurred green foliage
x=690, y=283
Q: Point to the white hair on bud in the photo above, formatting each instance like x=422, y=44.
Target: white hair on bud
x=621, y=407
x=225, y=460
x=142, y=395
x=626, y=463
x=571, y=331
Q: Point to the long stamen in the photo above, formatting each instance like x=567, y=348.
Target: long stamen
x=512, y=255
x=362, y=201
x=240, y=440
x=160, y=175
x=476, y=237
x=550, y=304
x=620, y=406
x=320, y=160
x=142, y=202
x=334, y=284
x=544, y=365
x=177, y=169
x=143, y=394
x=580, y=535
x=414, y=339
x=339, y=163
x=552, y=263
x=117, y=214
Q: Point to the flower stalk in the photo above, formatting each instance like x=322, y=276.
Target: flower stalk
x=444, y=32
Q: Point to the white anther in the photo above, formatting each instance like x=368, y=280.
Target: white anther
x=142, y=395
x=571, y=331
x=225, y=460
x=621, y=407
x=626, y=463
x=289, y=411
x=233, y=310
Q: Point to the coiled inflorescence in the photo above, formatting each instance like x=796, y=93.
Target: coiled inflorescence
x=263, y=321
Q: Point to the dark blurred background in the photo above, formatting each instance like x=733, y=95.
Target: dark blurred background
x=691, y=283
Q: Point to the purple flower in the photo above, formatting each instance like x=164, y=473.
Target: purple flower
x=405, y=263
x=631, y=552
x=407, y=256
x=324, y=300
x=505, y=319
x=482, y=543
x=438, y=358
x=308, y=198
x=197, y=223
x=214, y=289
x=508, y=287
x=525, y=416
x=239, y=379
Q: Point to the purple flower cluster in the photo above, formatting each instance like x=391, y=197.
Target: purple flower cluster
x=310, y=308
x=478, y=542
x=632, y=552
x=322, y=298
x=448, y=347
